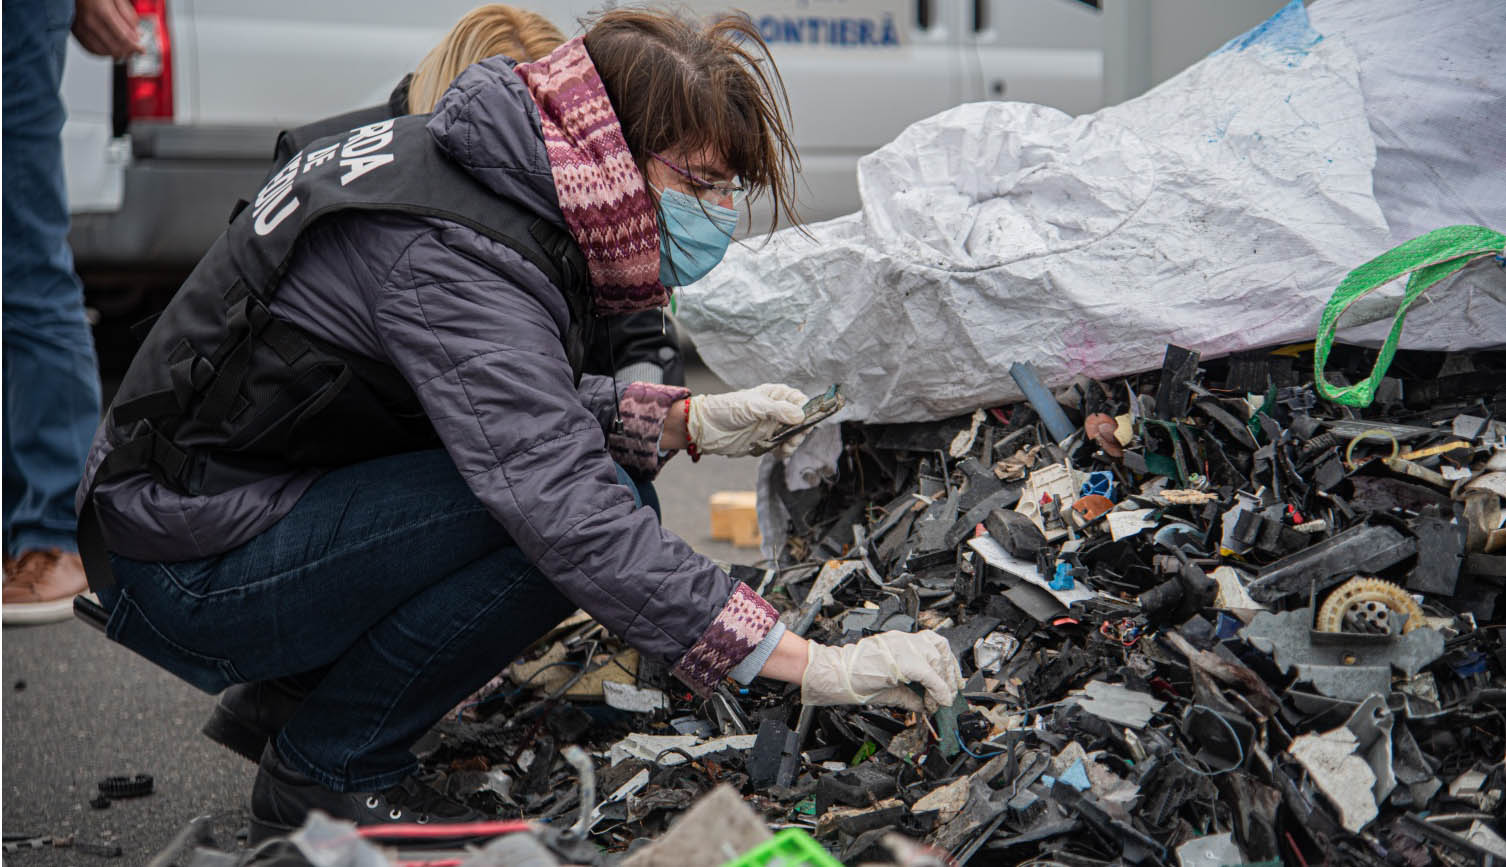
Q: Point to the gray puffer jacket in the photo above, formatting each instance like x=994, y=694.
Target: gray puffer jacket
x=478, y=332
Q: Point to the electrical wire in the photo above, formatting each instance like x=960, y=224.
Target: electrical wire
x=512, y=692
x=1232, y=733
x=584, y=670
x=963, y=744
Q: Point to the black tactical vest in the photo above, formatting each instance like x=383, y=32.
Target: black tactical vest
x=222, y=393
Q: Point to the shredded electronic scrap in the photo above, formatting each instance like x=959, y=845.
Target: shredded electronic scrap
x=1203, y=616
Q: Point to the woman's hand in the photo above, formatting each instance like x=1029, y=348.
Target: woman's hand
x=729, y=424
x=878, y=670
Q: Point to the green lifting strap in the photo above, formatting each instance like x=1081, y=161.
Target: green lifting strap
x=1428, y=259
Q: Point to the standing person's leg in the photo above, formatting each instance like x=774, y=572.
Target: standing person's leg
x=51, y=389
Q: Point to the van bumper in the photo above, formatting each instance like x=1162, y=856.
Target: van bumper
x=179, y=189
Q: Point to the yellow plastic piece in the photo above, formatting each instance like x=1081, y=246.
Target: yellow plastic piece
x=1369, y=434
x=1434, y=450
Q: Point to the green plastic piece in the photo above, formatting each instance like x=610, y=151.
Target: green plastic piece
x=1173, y=466
x=864, y=753
x=948, y=738
x=791, y=847
x=1269, y=408
x=807, y=807
x=1428, y=259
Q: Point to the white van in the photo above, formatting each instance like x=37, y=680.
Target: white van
x=161, y=148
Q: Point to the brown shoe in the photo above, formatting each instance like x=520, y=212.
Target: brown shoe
x=40, y=586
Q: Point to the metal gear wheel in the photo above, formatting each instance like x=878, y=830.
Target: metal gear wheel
x=1368, y=605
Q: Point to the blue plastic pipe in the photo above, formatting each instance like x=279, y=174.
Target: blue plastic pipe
x=1041, y=400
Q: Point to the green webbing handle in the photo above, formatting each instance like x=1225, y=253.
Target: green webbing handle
x=1428, y=259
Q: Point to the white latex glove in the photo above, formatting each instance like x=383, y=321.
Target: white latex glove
x=876, y=669
x=729, y=424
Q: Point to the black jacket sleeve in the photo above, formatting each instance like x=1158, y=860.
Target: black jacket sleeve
x=619, y=343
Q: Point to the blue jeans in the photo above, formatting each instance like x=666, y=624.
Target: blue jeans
x=388, y=581
x=51, y=376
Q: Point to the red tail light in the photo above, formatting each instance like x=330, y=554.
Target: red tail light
x=149, y=75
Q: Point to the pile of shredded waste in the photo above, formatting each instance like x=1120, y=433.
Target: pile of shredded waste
x=1218, y=620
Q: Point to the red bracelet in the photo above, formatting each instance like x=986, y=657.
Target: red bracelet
x=690, y=449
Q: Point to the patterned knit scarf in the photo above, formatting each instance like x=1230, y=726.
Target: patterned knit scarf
x=601, y=191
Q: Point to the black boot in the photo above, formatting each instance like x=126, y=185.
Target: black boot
x=281, y=800
x=248, y=715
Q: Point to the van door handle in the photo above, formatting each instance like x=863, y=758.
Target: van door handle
x=980, y=15
x=923, y=14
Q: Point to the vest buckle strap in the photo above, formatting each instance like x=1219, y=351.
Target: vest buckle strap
x=171, y=460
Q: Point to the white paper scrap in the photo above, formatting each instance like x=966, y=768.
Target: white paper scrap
x=1231, y=590
x=994, y=554
x=625, y=696
x=651, y=747
x=1125, y=524
x=1340, y=774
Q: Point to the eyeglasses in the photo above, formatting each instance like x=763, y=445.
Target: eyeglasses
x=703, y=187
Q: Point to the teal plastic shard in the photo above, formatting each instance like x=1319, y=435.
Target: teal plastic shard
x=948, y=737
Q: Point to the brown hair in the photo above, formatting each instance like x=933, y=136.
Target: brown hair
x=681, y=85
x=483, y=32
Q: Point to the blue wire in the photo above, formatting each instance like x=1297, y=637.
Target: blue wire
x=963, y=744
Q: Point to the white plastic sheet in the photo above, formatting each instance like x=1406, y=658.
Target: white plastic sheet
x=1435, y=98
x=1217, y=212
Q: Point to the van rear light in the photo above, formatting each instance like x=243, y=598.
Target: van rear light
x=149, y=75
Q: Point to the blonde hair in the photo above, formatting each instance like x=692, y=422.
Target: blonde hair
x=485, y=31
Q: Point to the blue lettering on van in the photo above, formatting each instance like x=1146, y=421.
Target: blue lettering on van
x=854, y=32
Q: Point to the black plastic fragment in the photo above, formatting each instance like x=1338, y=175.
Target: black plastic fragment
x=117, y=788
x=1174, y=394
x=568, y=723
x=775, y=739
x=866, y=784
x=1364, y=549
x=1014, y=532
x=1440, y=553
x=882, y=817
x=999, y=500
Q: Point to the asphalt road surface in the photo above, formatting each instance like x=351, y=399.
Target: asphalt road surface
x=77, y=708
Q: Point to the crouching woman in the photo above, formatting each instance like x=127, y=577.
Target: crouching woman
x=355, y=467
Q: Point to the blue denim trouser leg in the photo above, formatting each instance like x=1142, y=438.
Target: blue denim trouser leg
x=51, y=376
x=389, y=575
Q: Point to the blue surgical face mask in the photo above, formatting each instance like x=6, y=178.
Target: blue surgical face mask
x=694, y=237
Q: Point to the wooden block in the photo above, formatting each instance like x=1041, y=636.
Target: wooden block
x=745, y=533
x=733, y=513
